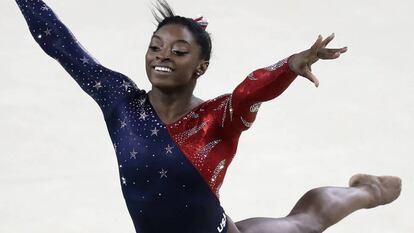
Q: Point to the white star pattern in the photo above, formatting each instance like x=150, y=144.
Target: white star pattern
x=163, y=173
x=123, y=124
x=133, y=154
x=143, y=115
x=59, y=43
x=168, y=149
x=154, y=131
x=141, y=101
x=125, y=84
x=130, y=119
x=48, y=32
x=84, y=60
x=97, y=85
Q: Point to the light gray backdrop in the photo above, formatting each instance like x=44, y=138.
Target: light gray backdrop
x=58, y=170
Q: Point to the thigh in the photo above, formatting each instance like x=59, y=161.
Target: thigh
x=298, y=223
x=231, y=226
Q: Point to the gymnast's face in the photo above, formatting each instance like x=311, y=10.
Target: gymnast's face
x=173, y=58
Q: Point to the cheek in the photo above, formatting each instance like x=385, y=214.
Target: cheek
x=187, y=71
x=190, y=64
x=148, y=69
x=148, y=59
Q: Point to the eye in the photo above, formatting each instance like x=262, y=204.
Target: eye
x=154, y=48
x=179, y=53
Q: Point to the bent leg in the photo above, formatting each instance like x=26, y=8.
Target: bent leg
x=299, y=223
x=322, y=207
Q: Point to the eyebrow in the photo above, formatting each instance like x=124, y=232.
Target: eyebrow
x=182, y=41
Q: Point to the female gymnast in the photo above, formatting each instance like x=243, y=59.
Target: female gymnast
x=173, y=149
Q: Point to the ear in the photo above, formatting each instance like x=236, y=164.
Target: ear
x=202, y=68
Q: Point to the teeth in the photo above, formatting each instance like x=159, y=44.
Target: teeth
x=163, y=69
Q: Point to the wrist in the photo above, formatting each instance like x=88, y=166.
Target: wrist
x=292, y=63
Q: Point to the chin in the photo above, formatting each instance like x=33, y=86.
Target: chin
x=163, y=85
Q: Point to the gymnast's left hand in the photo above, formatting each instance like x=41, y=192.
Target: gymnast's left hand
x=300, y=63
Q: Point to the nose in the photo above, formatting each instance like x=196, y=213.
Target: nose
x=163, y=54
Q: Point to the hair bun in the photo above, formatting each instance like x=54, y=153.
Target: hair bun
x=202, y=22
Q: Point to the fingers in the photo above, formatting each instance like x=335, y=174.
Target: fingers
x=322, y=43
x=318, y=50
x=311, y=77
x=325, y=53
x=317, y=43
x=327, y=40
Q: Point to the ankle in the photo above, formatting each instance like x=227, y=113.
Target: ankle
x=372, y=194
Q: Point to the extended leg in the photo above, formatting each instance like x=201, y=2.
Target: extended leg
x=322, y=207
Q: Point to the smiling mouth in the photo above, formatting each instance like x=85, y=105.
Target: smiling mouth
x=163, y=69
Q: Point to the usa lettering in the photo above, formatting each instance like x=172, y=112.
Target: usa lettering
x=222, y=224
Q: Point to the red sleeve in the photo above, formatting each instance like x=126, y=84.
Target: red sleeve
x=239, y=109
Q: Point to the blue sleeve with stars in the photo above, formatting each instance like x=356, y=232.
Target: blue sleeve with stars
x=105, y=86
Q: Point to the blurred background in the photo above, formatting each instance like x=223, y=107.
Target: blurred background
x=58, y=170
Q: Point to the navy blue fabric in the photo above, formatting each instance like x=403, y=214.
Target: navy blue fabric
x=162, y=189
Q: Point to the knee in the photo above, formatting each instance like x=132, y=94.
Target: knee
x=313, y=209
x=311, y=202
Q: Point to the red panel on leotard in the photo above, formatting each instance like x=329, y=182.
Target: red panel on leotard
x=208, y=135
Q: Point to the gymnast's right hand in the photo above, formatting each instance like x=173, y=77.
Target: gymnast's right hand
x=301, y=62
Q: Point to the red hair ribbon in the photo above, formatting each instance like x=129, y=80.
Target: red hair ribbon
x=202, y=22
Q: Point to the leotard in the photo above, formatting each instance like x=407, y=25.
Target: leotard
x=170, y=174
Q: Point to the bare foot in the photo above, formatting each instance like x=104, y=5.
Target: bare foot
x=384, y=189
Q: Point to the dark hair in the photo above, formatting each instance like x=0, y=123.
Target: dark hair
x=166, y=16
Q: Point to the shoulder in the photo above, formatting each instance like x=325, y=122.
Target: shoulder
x=215, y=109
x=216, y=103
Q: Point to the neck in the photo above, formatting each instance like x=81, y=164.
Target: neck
x=172, y=105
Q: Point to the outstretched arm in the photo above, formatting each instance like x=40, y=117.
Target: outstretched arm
x=105, y=86
x=240, y=108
